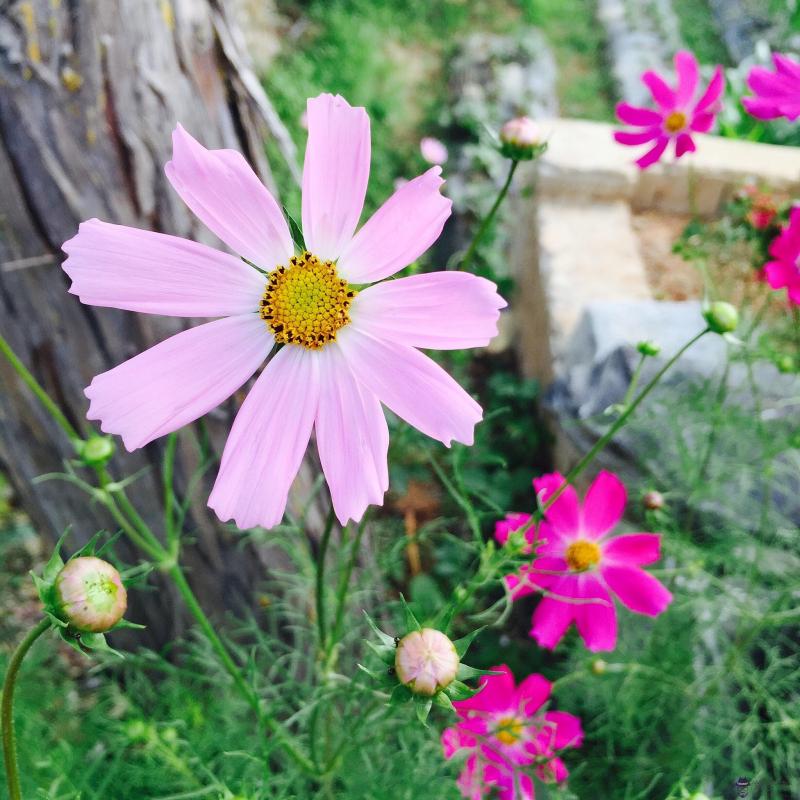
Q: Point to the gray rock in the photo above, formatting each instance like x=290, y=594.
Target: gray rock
x=743, y=23
x=642, y=34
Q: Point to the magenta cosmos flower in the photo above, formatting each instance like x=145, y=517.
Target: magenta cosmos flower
x=678, y=114
x=580, y=568
x=340, y=348
x=784, y=270
x=507, y=736
x=777, y=94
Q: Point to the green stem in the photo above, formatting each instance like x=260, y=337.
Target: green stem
x=7, y=709
x=637, y=373
x=169, y=493
x=320, y=589
x=247, y=691
x=573, y=474
x=344, y=585
x=719, y=399
x=487, y=221
x=44, y=398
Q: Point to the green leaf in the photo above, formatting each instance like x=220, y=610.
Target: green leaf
x=384, y=637
x=445, y=618
x=56, y=563
x=384, y=652
x=462, y=644
x=400, y=694
x=124, y=623
x=297, y=233
x=465, y=672
x=89, y=548
x=97, y=641
x=412, y=623
x=423, y=706
x=443, y=701
x=460, y=691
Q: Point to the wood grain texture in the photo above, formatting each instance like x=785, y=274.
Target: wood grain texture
x=90, y=91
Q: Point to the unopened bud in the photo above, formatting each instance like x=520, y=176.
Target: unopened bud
x=426, y=661
x=599, y=666
x=721, y=317
x=521, y=139
x=699, y=796
x=653, y=501
x=97, y=450
x=648, y=348
x=786, y=364
x=90, y=595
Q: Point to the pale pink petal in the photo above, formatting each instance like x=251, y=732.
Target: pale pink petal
x=662, y=93
x=220, y=187
x=709, y=100
x=412, y=385
x=652, y=155
x=352, y=438
x=335, y=174
x=497, y=693
x=637, y=115
x=637, y=589
x=564, y=515
x=532, y=694
x=634, y=138
x=688, y=76
x=399, y=232
x=439, y=310
x=633, y=548
x=684, y=144
x=597, y=619
x=268, y=440
x=603, y=505
x=433, y=151
x=565, y=730
x=178, y=380
x=121, y=267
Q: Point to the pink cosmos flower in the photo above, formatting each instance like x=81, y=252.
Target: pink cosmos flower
x=678, y=114
x=777, y=93
x=580, y=567
x=433, y=151
x=784, y=271
x=507, y=737
x=345, y=347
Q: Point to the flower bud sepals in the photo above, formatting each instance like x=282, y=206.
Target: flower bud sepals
x=423, y=666
x=84, y=597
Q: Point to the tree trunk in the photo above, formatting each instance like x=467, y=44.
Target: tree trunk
x=90, y=91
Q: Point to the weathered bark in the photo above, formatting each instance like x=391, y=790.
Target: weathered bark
x=90, y=91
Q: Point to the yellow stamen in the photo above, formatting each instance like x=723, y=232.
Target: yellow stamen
x=582, y=554
x=307, y=302
x=676, y=121
x=509, y=730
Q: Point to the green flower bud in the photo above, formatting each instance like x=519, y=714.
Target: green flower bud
x=647, y=348
x=426, y=661
x=97, y=450
x=89, y=595
x=721, y=317
x=786, y=364
x=599, y=666
x=521, y=139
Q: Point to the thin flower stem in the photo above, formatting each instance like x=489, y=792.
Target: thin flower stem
x=344, y=585
x=7, y=709
x=169, y=493
x=245, y=689
x=487, y=221
x=600, y=444
x=24, y=373
x=320, y=588
x=637, y=373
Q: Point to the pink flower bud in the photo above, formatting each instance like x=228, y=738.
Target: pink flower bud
x=433, y=151
x=90, y=595
x=653, y=501
x=426, y=661
x=521, y=132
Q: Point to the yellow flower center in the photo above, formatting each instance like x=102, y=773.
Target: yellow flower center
x=509, y=730
x=582, y=554
x=675, y=122
x=307, y=302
